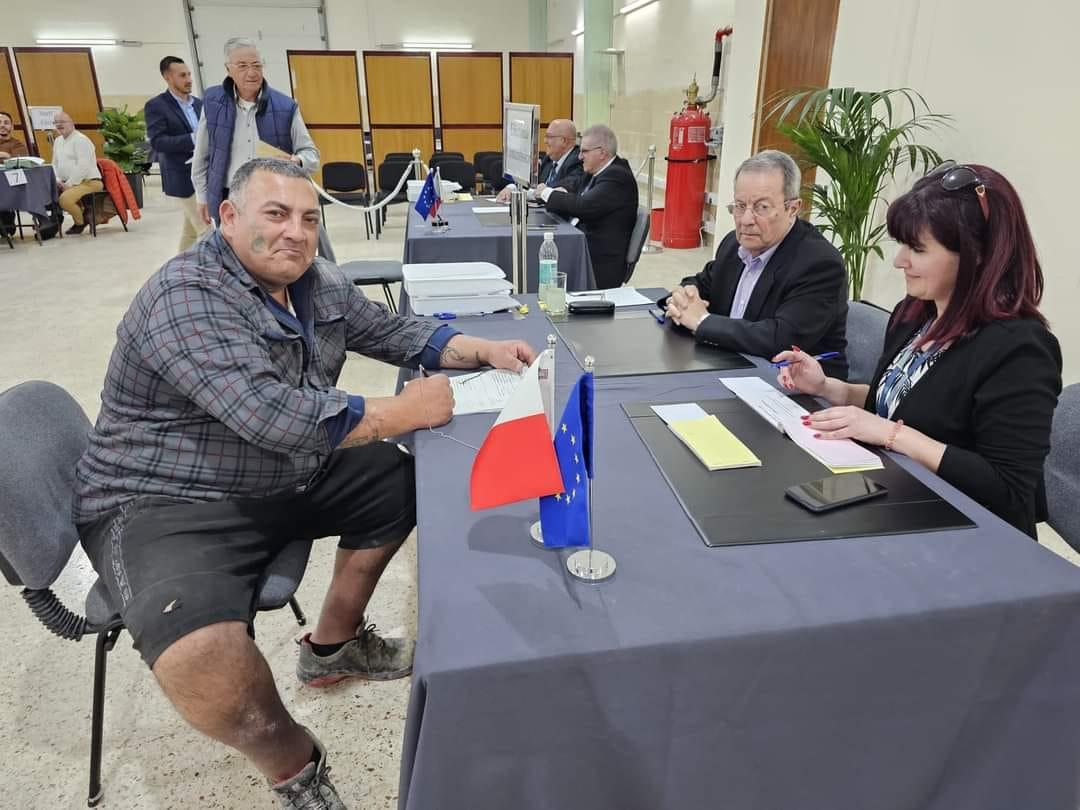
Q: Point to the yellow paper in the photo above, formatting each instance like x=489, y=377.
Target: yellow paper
x=461, y=197
x=867, y=468
x=265, y=150
x=715, y=445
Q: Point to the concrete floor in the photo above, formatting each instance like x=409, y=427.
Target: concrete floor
x=57, y=322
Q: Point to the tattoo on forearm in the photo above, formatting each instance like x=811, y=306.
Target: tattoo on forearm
x=450, y=354
x=369, y=430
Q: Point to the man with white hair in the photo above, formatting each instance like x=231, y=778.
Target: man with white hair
x=237, y=114
x=74, y=162
x=776, y=283
x=604, y=204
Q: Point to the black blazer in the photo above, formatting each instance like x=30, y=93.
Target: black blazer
x=799, y=300
x=607, y=208
x=169, y=134
x=569, y=174
x=990, y=398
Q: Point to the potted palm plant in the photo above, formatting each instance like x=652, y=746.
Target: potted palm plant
x=124, y=134
x=860, y=139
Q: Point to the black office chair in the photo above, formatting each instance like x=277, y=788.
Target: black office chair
x=43, y=432
x=388, y=175
x=365, y=272
x=480, y=159
x=95, y=202
x=438, y=158
x=637, y=241
x=493, y=174
x=1062, y=469
x=461, y=172
x=406, y=156
x=865, y=329
x=348, y=182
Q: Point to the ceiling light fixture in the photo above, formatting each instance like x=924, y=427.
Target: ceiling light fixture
x=62, y=41
x=437, y=46
x=634, y=6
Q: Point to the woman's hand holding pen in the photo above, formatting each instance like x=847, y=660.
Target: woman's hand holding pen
x=803, y=372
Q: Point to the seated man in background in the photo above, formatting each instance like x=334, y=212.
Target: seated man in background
x=9, y=147
x=222, y=438
x=75, y=164
x=561, y=165
x=775, y=282
x=604, y=206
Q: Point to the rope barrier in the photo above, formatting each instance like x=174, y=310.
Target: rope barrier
x=377, y=206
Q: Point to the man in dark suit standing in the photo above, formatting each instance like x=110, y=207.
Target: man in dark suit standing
x=171, y=121
x=605, y=207
x=775, y=282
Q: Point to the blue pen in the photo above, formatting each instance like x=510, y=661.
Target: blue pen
x=825, y=356
x=658, y=315
x=445, y=316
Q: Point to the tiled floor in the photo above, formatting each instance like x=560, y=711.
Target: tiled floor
x=57, y=319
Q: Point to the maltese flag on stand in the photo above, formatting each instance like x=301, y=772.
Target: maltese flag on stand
x=517, y=460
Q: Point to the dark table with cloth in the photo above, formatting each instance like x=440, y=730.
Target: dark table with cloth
x=35, y=196
x=468, y=240
x=938, y=671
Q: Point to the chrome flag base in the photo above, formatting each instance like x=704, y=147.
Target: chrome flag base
x=590, y=565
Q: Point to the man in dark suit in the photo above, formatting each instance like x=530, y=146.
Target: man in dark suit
x=561, y=165
x=775, y=282
x=171, y=121
x=605, y=207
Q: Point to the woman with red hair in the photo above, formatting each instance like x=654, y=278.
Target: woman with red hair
x=970, y=373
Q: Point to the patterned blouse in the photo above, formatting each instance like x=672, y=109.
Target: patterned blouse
x=906, y=369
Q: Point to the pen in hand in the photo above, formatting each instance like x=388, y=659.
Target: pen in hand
x=825, y=356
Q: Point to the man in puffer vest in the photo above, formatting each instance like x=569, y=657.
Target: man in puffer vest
x=237, y=114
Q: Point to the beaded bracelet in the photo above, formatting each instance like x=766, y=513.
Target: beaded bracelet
x=892, y=436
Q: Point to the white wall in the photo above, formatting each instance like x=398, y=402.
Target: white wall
x=1007, y=76
x=122, y=72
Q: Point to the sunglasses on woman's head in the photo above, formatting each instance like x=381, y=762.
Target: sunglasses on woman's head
x=955, y=176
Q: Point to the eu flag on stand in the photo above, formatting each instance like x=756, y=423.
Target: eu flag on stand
x=427, y=204
x=564, y=517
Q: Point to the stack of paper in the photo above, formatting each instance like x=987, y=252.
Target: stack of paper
x=714, y=445
x=785, y=414
x=458, y=288
x=620, y=296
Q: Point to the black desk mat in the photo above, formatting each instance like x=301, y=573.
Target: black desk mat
x=632, y=342
x=535, y=219
x=748, y=506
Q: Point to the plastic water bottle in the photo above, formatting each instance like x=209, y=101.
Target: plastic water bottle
x=549, y=266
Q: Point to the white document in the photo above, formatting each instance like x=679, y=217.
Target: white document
x=41, y=118
x=457, y=287
x=785, y=414
x=491, y=209
x=463, y=305
x=680, y=411
x=16, y=177
x=440, y=271
x=771, y=404
x=483, y=391
x=620, y=296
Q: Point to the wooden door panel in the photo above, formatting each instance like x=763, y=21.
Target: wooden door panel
x=399, y=88
x=544, y=79
x=401, y=140
x=470, y=88
x=325, y=85
x=338, y=144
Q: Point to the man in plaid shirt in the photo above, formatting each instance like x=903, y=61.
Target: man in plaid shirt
x=222, y=439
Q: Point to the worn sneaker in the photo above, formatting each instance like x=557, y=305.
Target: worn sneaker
x=74, y=230
x=368, y=656
x=311, y=789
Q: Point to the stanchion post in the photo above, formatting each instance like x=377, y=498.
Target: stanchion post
x=519, y=233
x=418, y=167
x=547, y=396
x=650, y=245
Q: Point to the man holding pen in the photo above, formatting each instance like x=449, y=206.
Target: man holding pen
x=775, y=281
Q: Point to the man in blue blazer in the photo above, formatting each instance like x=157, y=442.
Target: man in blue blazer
x=171, y=121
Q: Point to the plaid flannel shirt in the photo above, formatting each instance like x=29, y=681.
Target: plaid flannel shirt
x=207, y=397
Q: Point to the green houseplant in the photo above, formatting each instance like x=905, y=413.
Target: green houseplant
x=860, y=139
x=124, y=134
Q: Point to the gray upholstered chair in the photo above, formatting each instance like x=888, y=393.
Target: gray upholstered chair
x=866, y=324
x=1062, y=469
x=43, y=431
x=363, y=272
x=637, y=242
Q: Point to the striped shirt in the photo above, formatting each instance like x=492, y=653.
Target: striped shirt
x=212, y=393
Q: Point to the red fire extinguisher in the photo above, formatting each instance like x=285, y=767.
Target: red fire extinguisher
x=688, y=157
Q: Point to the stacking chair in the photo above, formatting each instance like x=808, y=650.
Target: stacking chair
x=388, y=175
x=43, y=432
x=493, y=174
x=438, y=158
x=461, y=172
x=1062, y=470
x=348, y=182
x=637, y=242
x=480, y=159
x=406, y=156
x=365, y=272
x=866, y=325
x=93, y=203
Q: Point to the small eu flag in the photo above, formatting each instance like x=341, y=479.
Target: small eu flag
x=564, y=517
x=427, y=204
